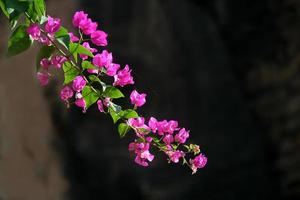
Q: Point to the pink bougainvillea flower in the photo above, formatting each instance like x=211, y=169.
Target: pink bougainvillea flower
x=45, y=63
x=99, y=38
x=103, y=59
x=175, y=155
x=171, y=126
x=142, y=153
x=198, y=162
x=106, y=102
x=100, y=105
x=43, y=78
x=152, y=124
x=34, y=31
x=45, y=40
x=81, y=103
x=112, y=68
x=93, y=71
x=57, y=61
x=66, y=93
x=162, y=126
x=137, y=99
x=78, y=83
x=88, y=47
x=168, y=139
x=78, y=17
x=73, y=37
x=52, y=25
x=123, y=77
x=137, y=122
x=182, y=136
x=88, y=26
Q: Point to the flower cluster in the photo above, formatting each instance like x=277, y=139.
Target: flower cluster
x=84, y=66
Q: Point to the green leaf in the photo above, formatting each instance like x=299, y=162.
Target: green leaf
x=62, y=36
x=19, y=41
x=123, y=129
x=3, y=8
x=70, y=72
x=77, y=48
x=40, y=7
x=113, y=92
x=90, y=96
x=45, y=52
x=87, y=65
x=14, y=9
x=94, y=78
x=113, y=115
x=129, y=113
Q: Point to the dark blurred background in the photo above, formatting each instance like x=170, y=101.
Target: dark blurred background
x=226, y=69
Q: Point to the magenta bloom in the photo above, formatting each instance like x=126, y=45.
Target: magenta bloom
x=57, y=61
x=66, y=93
x=52, y=25
x=81, y=104
x=99, y=38
x=175, y=155
x=45, y=63
x=162, y=126
x=137, y=122
x=137, y=99
x=112, y=69
x=87, y=26
x=142, y=153
x=152, y=124
x=88, y=47
x=171, y=127
x=106, y=102
x=73, y=37
x=168, y=139
x=78, y=17
x=198, y=162
x=123, y=77
x=34, y=31
x=100, y=106
x=103, y=59
x=44, y=40
x=182, y=136
x=43, y=78
x=78, y=83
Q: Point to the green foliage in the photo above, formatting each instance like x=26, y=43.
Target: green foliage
x=62, y=36
x=3, y=8
x=19, y=41
x=77, y=48
x=40, y=7
x=123, y=129
x=129, y=113
x=87, y=65
x=70, y=72
x=45, y=52
x=13, y=10
x=94, y=78
x=114, y=115
x=113, y=92
x=90, y=96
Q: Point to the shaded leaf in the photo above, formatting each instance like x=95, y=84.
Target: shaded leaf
x=123, y=128
x=129, y=113
x=70, y=72
x=87, y=65
x=113, y=92
x=77, y=48
x=62, y=36
x=19, y=41
x=113, y=115
x=90, y=96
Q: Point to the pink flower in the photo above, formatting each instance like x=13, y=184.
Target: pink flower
x=100, y=106
x=142, y=153
x=87, y=26
x=78, y=83
x=66, y=93
x=57, y=61
x=81, y=103
x=45, y=63
x=44, y=39
x=99, y=38
x=137, y=122
x=137, y=99
x=198, y=162
x=88, y=47
x=175, y=155
x=103, y=59
x=78, y=17
x=123, y=77
x=168, y=139
x=182, y=136
x=171, y=127
x=34, y=31
x=73, y=37
x=93, y=71
x=52, y=25
x=106, y=101
x=152, y=124
x=43, y=78
x=112, y=69
x=162, y=126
